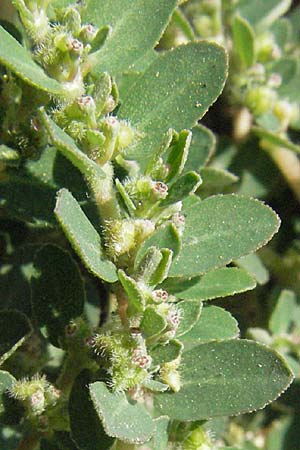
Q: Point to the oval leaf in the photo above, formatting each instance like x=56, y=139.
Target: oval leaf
x=83, y=237
x=220, y=229
x=224, y=379
x=191, y=76
x=120, y=419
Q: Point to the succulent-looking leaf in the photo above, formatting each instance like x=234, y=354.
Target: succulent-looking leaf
x=83, y=237
x=201, y=148
x=189, y=315
x=150, y=105
x=166, y=353
x=216, y=283
x=262, y=13
x=220, y=229
x=214, y=324
x=243, y=41
x=163, y=237
x=14, y=329
x=185, y=185
x=136, y=27
x=6, y=380
x=283, y=313
x=57, y=291
x=215, y=181
x=225, y=378
x=254, y=266
x=86, y=428
x=152, y=323
x=120, y=419
x=69, y=149
x=160, y=437
x=135, y=297
x=19, y=61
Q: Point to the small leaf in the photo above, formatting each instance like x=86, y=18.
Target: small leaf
x=220, y=229
x=69, y=149
x=19, y=61
x=283, y=313
x=6, y=381
x=154, y=265
x=155, y=386
x=57, y=291
x=14, y=329
x=120, y=419
x=214, y=324
x=178, y=154
x=201, y=148
x=243, y=41
x=184, y=185
x=163, y=237
x=189, y=315
x=83, y=237
x=152, y=323
x=166, y=353
x=216, y=283
x=86, y=428
x=225, y=378
x=150, y=104
x=136, y=28
x=253, y=265
x=262, y=13
x=135, y=297
x=215, y=181
x=160, y=437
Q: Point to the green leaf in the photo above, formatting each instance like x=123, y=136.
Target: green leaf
x=136, y=27
x=201, y=148
x=214, y=324
x=57, y=291
x=166, y=353
x=6, y=380
x=189, y=315
x=216, y=283
x=253, y=265
x=135, y=297
x=167, y=82
x=163, y=237
x=14, y=329
x=19, y=61
x=215, y=181
x=225, y=378
x=152, y=323
x=160, y=437
x=220, y=229
x=9, y=157
x=120, y=419
x=243, y=41
x=69, y=149
x=283, y=313
x=185, y=185
x=27, y=200
x=178, y=154
x=83, y=237
x=154, y=266
x=155, y=386
x=262, y=13
x=86, y=428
